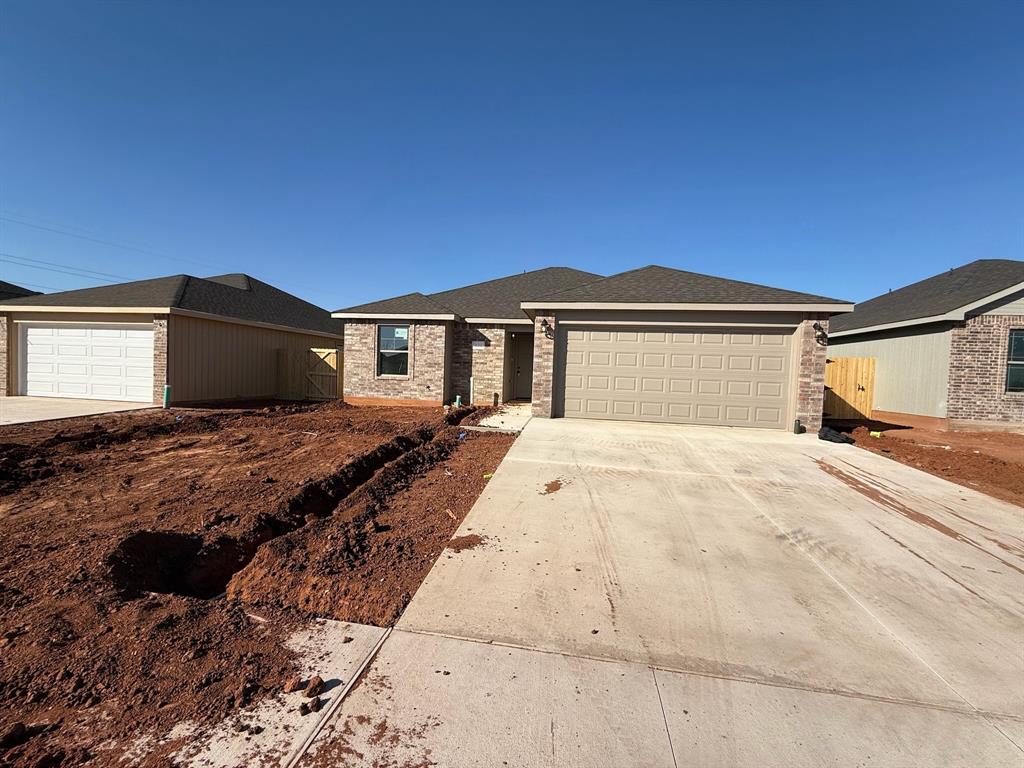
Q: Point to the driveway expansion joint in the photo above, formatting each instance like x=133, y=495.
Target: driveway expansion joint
x=806, y=688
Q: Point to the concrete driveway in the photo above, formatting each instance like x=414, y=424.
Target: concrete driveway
x=653, y=595
x=20, y=410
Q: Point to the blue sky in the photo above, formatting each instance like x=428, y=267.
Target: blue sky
x=349, y=152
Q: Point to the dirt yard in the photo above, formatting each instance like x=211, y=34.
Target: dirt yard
x=137, y=546
x=990, y=462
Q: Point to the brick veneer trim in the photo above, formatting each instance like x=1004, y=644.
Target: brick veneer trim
x=159, y=357
x=978, y=352
x=483, y=365
x=427, y=374
x=6, y=340
x=810, y=385
x=543, y=366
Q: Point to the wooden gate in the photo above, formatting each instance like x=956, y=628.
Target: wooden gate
x=309, y=374
x=849, y=387
x=323, y=380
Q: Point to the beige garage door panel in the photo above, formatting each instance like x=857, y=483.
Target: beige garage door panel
x=732, y=377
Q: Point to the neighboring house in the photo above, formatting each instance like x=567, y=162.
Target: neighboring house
x=12, y=291
x=214, y=338
x=651, y=344
x=949, y=347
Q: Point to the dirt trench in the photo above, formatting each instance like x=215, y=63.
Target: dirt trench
x=107, y=629
x=312, y=569
x=170, y=562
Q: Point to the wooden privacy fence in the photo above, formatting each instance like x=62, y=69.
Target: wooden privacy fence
x=309, y=374
x=849, y=387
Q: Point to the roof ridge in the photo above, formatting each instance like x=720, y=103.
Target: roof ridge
x=181, y=290
x=676, y=270
x=581, y=285
x=505, y=277
x=894, y=291
x=431, y=299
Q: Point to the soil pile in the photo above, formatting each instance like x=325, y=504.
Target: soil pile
x=123, y=532
x=363, y=562
x=990, y=462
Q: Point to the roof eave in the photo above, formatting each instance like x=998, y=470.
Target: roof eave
x=498, y=320
x=393, y=316
x=830, y=307
x=960, y=313
x=6, y=307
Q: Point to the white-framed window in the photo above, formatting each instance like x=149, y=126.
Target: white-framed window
x=1015, y=362
x=392, y=350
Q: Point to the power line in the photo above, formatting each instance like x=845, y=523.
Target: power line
x=36, y=285
x=66, y=266
x=110, y=243
x=61, y=271
x=21, y=220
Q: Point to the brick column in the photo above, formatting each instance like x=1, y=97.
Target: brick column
x=6, y=339
x=159, y=357
x=543, y=366
x=810, y=397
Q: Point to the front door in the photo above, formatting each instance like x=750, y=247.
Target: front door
x=522, y=359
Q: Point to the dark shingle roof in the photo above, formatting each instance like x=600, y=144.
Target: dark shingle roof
x=408, y=304
x=934, y=296
x=661, y=285
x=499, y=299
x=12, y=291
x=235, y=295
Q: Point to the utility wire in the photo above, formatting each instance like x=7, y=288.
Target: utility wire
x=66, y=266
x=6, y=260
x=36, y=285
x=113, y=244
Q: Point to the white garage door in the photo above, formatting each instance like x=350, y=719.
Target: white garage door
x=102, y=362
x=734, y=377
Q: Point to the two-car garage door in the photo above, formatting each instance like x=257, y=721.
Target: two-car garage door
x=101, y=362
x=733, y=377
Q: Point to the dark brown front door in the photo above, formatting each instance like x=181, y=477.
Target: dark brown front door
x=522, y=359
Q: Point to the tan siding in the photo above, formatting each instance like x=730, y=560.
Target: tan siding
x=911, y=367
x=212, y=360
x=1010, y=305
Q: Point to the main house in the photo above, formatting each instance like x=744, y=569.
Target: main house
x=650, y=344
x=213, y=338
x=949, y=347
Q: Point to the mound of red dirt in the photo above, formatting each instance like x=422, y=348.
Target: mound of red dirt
x=364, y=562
x=123, y=532
x=990, y=462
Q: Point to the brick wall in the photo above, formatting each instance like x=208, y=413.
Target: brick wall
x=486, y=364
x=810, y=393
x=977, y=370
x=426, y=379
x=159, y=357
x=543, y=366
x=6, y=339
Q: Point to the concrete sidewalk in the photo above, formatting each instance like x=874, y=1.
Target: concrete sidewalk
x=21, y=410
x=664, y=595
